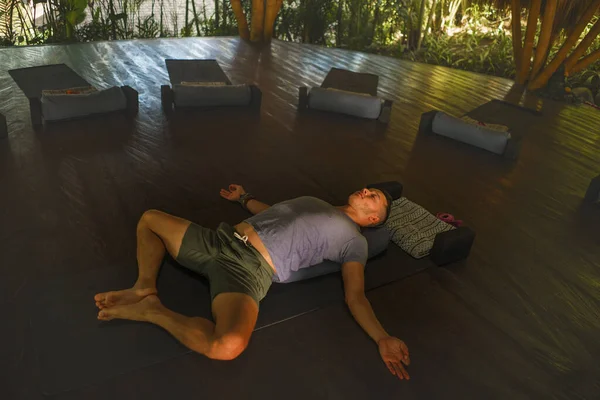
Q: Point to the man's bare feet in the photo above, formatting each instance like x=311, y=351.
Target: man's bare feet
x=135, y=312
x=122, y=297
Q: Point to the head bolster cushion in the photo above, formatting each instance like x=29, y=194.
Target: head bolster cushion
x=339, y=101
x=476, y=135
x=57, y=107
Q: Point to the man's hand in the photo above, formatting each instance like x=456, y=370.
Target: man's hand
x=234, y=192
x=394, y=353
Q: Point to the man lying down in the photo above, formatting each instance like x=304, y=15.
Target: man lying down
x=240, y=262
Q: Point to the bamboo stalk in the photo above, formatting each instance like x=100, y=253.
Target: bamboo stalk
x=543, y=47
x=532, y=21
x=429, y=21
x=258, y=20
x=217, y=15
x=338, y=30
x=273, y=7
x=584, y=45
x=586, y=62
x=420, y=24
x=187, y=16
x=543, y=77
x=516, y=32
x=196, y=16
x=161, y=18
x=238, y=11
x=452, y=13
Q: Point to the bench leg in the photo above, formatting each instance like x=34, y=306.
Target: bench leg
x=386, y=112
x=452, y=246
x=3, y=127
x=593, y=193
x=302, y=98
x=35, y=108
x=166, y=98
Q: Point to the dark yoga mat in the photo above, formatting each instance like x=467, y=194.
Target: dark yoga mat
x=519, y=119
x=195, y=71
x=75, y=350
x=33, y=80
x=351, y=81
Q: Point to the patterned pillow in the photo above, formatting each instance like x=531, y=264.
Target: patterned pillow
x=413, y=228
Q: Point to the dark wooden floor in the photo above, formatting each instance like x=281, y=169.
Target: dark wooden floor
x=520, y=319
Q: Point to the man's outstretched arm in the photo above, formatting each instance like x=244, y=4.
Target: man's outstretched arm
x=393, y=351
x=237, y=193
x=255, y=206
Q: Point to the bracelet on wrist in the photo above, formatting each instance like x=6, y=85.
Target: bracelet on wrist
x=244, y=199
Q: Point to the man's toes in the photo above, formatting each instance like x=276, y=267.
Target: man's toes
x=108, y=300
x=105, y=315
x=100, y=297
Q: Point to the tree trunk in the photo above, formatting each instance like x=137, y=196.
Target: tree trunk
x=553, y=39
x=187, y=16
x=217, y=18
x=376, y=16
x=257, y=26
x=431, y=13
x=439, y=17
x=352, y=20
x=532, y=22
x=419, y=29
x=273, y=7
x=584, y=45
x=516, y=32
x=452, y=10
x=441, y=24
x=196, y=16
x=543, y=47
x=586, y=62
x=238, y=11
x=542, y=79
x=112, y=23
x=338, y=32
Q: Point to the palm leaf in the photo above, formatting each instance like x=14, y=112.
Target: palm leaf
x=8, y=19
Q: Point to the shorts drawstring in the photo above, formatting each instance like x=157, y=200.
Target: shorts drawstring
x=242, y=238
x=247, y=244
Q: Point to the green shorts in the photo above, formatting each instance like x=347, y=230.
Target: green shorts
x=229, y=264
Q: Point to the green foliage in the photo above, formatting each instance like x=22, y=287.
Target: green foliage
x=148, y=28
x=490, y=54
x=74, y=14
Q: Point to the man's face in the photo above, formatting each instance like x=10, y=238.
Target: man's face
x=369, y=202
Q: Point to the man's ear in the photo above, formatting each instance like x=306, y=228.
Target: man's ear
x=374, y=219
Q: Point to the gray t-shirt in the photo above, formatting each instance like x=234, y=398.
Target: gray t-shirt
x=303, y=232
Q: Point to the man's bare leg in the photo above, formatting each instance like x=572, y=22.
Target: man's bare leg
x=235, y=315
x=157, y=232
